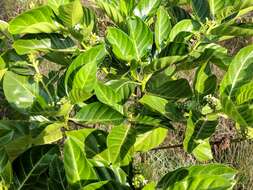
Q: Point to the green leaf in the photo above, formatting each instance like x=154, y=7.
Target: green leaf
x=111, y=11
x=5, y=168
x=197, y=136
x=78, y=95
x=95, y=186
x=238, y=72
x=38, y=20
x=162, y=28
x=244, y=30
x=98, y=113
x=127, y=6
x=146, y=8
x=216, y=6
x=108, y=96
x=149, y=186
x=3, y=26
x=122, y=45
x=85, y=79
x=95, y=55
x=123, y=87
x=95, y=143
x=31, y=165
x=148, y=121
x=205, y=81
x=57, y=175
x=76, y=164
x=79, y=136
x=201, y=9
x=55, y=4
x=120, y=140
x=25, y=92
x=50, y=134
x=244, y=93
x=44, y=43
x=162, y=63
x=72, y=13
x=173, y=89
x=162, y=106
x=242, y=114
x=208, y=177
x=186, y=25
x=141, y=36
x=149, y=139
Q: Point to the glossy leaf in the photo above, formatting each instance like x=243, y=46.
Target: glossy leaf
x=122, y=45
x=95, y=186
x=123, y=87
x=141, y=36
x=202, y=9
x=98, y=113
x=162, y=63
x=243, y=30
x=5, y=168
x=94, y=55
x=108, y=96
x=162, y=28
x=25, y=91
x=216, y=6
x=3, y=26
x=173, y=89
x=44, y=43
x=120, y=140
x=238, y=73
x=205, y=81
x=161, y=105
x=186, y=25
x=57, y=175
x=50, y=134
x=85, y=79
x=208, y=177
x=244, y=93
x=197, y=136
x=111, y=11
x=72, y=13
x=55, y=4
x=146, y=8
x=29, y=167
x=76, y=164
x=34, y=21
x=150, y=139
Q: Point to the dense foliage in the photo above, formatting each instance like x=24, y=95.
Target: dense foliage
x=108, y=95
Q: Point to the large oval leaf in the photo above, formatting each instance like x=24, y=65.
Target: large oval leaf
x=201, y=9
x=120, y=140
x=146, y=8
x=53, y=42
x=162, y=28
x=109, y=96
x=186, y=25
x=25, y=91
x=71, y=13
x=148, y=139
x=38, y=20
x=94, y=55
x=98, y=113
x=5, y=169
x=208, y=177
x=238, y=73
x=76, y=164
x=122, y=45
x=141, y=36
x=31, y=165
